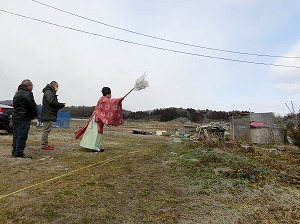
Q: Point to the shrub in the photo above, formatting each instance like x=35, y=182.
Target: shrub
x=294, y=133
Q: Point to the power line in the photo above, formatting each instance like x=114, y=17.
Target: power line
x=167, y=40
x=150, y=46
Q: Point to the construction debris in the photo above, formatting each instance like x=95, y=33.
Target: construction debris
x=137, y=131
x=162, y=133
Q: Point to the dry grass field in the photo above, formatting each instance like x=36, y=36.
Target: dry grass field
x=147, y=179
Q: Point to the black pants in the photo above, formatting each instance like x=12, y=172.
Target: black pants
x=20, y=134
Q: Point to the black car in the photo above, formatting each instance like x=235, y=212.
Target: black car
x=5, y=121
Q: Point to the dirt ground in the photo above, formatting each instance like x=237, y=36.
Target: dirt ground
x=146, y=179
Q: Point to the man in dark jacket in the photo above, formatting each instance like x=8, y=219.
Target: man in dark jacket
x=49, y=112
x=24, y=111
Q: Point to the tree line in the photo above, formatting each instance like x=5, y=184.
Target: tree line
x=165, y=114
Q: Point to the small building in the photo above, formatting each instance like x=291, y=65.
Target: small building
x=256, y=128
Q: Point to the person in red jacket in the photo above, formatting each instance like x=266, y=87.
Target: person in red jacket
x=107, y=111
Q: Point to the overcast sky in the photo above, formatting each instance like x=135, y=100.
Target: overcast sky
x=83, y=63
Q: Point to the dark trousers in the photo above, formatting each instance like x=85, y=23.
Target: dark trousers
x=20, y=134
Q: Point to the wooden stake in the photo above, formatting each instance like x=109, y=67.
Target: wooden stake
x=129, y=92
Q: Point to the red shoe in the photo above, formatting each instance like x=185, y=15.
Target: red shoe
x=48, y=148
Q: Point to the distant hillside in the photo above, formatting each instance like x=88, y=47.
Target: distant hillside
x=166, y=114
